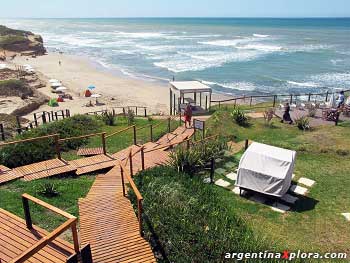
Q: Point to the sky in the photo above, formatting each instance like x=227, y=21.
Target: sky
x=171, y=8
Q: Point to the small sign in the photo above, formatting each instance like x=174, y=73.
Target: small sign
x=199, y=125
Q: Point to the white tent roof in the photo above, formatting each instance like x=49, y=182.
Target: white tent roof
x=266, y=169
x=190, y=86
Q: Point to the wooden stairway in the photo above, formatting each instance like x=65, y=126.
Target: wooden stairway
x=107, y=218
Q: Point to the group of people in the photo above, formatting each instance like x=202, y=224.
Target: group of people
x=340, y=102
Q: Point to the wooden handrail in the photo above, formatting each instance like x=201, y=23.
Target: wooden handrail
x=48, y=206
x=118, y=132
x=137, y=193
x=70, y=223
x=81, y=137
x=29, y=140
x=144, y=127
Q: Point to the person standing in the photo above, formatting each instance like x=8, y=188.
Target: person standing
x=341, y=99
x=286, y=115
x=188, y=115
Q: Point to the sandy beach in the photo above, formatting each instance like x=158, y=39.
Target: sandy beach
x=77, y=74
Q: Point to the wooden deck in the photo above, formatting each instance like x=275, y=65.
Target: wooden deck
x=44, y=169
x=90, y=151
x=15, y=238
x=7, y=175
x=93, y=163
x=109, y=224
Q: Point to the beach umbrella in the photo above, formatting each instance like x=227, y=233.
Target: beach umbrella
x=96, y=96
x=56, y=84
x=53, y=81
x=61, y=89
x=91, y=87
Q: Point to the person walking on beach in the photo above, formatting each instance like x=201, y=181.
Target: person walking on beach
x=341, y=99
x=286, y=115
x=59, y=63
x=188, y=115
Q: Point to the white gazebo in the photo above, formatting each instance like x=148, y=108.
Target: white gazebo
x=183, y=92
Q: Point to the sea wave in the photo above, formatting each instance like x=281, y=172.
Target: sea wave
x=303, y=84
x=241, y=86
x=261, y=47
x=260, y=35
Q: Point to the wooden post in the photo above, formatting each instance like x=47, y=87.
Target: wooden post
x=145, y=112
x=169, y=125
x=68, y=113
x=200, y=99
x=103, y=137
x=131, y=166
x=142, y=158
x=309, y=99
x=180, y=119
x=57, y=147
x=188, y=146
x=19, y=129
x=251, y=101
x=35, y=120
x=274, y=101
x=291, y=98
x=123, y=183
x=124, y=112
x=219, y=104
x=136, y=110
x=113, y=111
x=49, y=117
x=63, y=114
x=52, y=115
x=27, y=216
x=2, y=131
x=212, y=170
x=327, y=96
x=135, y=139
x=174, y=104
x=75, y=237
x=171, y=101
x=139, y=207
x=206, y=103
x=246, y=144
x=56, y=115
x=44, y=118
x=151, y=133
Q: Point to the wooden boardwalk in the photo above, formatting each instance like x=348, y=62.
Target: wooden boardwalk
x=15, y=238
x=90, y=151
x=107, y=218
x=44, y=169
x=7, y=175
x=93, y=163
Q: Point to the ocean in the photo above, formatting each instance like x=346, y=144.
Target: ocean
x=233, y=55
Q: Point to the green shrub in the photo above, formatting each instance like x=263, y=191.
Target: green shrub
x=239, y=117
x=184, y=160
x=303, y=123
x=14, y=87
x=193, y=221
x=130, y=116
x=108, y=118
x=48, y=190
x=31, y=152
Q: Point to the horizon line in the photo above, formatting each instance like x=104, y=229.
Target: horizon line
x=185, y=17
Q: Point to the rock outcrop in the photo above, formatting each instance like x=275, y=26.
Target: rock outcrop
x=19, y=41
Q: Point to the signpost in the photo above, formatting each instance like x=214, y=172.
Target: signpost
x=199, y=125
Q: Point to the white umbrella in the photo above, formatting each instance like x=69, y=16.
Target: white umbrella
x=96, y=96
x=61, y=88
x=56, y=84
x=53, y=81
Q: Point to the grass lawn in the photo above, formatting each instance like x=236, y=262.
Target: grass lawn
x=323, y=155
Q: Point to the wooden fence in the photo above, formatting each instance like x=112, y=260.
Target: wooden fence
x=274, y=99
x=139, y=111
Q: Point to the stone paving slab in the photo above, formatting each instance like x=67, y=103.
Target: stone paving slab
x=232, y=176
x=289, y=199
x=306, y=181
x=220, y=171
x=222, y=183
x=280, y=208
x=298, y=190
x=236, y=190
x=230, y=165
x=347, y=216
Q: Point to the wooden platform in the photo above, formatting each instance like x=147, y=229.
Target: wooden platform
x=7, y=175
x=15, y=238
x=44, y=169
x=108, y=222
x=93, y=163
x=90, y=151
x=176, y=137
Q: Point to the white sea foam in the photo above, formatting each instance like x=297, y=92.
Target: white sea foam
x=260, y=35
x=332, y=79
x=303, y=84
x=242, y=86
x=261, y=47
x=227, y=42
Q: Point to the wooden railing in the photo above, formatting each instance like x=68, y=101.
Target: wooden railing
x=102, y=134
x=70, y=223
x=128, y=176
x=273, y=98
x=124, y=111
